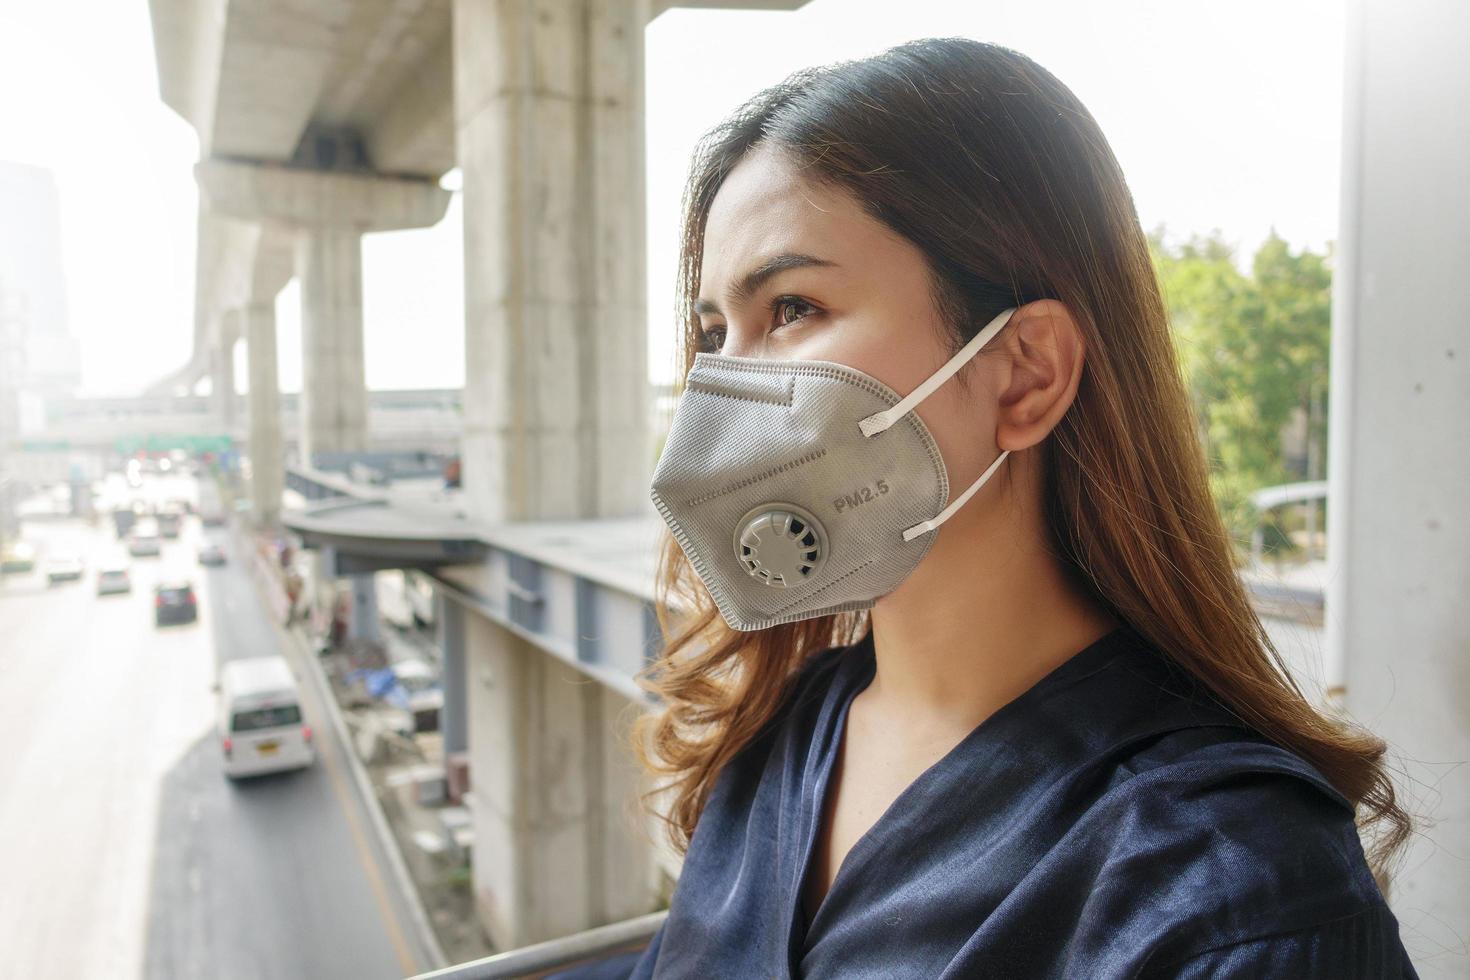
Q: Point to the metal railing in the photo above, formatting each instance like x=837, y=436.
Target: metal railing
x=534, y=961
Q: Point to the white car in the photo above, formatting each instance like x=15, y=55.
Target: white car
x=145, y=540
x=113, y=580
x=63, y=568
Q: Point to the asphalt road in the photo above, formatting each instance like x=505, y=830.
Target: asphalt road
x=125, y=852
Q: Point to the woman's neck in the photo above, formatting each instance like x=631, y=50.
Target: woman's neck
x=989, y=612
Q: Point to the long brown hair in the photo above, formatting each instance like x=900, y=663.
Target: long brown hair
x=1000, y=176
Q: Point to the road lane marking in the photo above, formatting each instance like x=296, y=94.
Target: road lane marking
x=364, y=853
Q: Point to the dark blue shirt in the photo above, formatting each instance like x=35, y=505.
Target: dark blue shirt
x=1112, y=821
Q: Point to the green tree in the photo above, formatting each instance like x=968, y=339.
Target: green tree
x=1254, y=349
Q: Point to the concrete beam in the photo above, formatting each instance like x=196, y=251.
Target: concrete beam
x=188, y=38
x=305, y=198
x=274, y=62
x=414, y=132
x=251, y=75
x=180, y=381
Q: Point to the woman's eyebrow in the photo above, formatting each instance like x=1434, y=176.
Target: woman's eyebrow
x=746, y=285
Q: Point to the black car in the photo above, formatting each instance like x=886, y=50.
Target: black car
x=174, y=602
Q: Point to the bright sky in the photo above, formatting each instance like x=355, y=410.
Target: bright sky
x=1224, y=116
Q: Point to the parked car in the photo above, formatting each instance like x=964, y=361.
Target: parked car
x=63, y=568
x=174, y=602
x=211, y=554
x=114, y=580
x=260, y=724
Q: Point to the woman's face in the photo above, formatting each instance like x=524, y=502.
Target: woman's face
x=796, y=270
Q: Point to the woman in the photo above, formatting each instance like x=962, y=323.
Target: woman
x=963, y=683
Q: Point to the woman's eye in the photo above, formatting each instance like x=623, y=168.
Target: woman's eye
x=789, y=304
x=714, y=339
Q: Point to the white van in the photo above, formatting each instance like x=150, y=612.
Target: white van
x=261, y=727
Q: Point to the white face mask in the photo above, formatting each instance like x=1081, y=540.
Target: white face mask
x=803, y=488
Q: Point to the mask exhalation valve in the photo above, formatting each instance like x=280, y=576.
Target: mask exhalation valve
x=780, y=545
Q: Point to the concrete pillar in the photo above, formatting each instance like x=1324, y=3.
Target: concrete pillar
x=364, y=622
x=558, y=842
x=267, y=453
x=329, y=212
x=222, y=380
x=449, y=628
x=1399, y=463
x=549, y=124
x=333, y=383
x=549, y=117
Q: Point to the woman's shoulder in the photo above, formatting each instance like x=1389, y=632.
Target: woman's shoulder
x=1222, y=837
x=1361, y=946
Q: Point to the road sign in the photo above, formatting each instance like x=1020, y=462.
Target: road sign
x=154, y=443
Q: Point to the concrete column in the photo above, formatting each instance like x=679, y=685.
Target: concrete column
x=329, y=212
x=364, y=622
x=549, y=117
x=449, y=627
x=558, y=843
x=333, y=384
x=267, y=453
x=549, y=123
x=222, y=380
x=1399, y=464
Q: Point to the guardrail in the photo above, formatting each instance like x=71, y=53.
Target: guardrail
x=535, y=961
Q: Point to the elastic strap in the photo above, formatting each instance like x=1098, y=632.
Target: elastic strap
x=882, y=421
x=933, y=523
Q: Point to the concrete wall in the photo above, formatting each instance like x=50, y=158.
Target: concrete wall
x=1397, y=611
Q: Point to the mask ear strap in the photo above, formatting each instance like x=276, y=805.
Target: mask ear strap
x=882, y=421
x=933, y=523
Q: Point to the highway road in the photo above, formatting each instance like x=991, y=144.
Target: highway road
x=125, y=852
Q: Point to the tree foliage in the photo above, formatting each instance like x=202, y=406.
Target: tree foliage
x=1254, y=348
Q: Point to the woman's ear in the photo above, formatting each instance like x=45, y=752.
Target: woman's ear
x=1042, y=355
